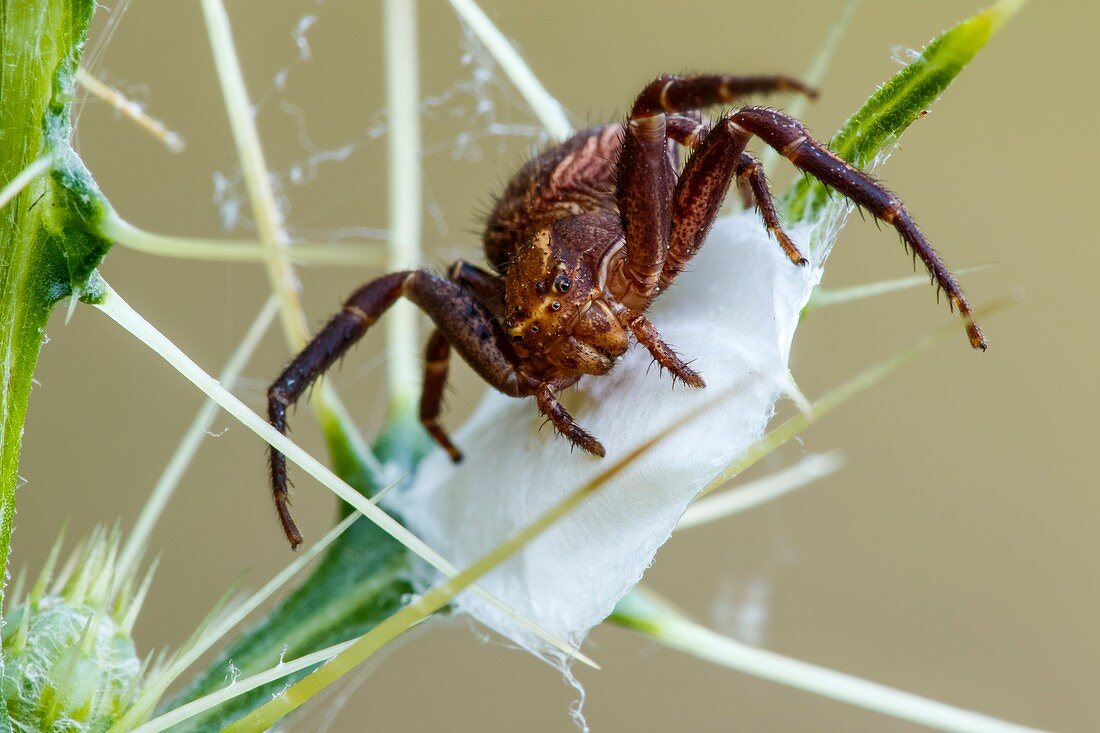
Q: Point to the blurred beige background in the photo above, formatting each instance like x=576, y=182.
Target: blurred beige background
x=955, y=555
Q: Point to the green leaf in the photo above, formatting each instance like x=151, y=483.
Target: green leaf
x=901, y=100
x=362, y=580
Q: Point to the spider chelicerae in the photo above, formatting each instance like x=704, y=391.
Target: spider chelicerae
x=584, y=238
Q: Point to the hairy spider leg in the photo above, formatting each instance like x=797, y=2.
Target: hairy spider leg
x=753, y=185
x=564, y=423
x=647, y=188
x=458, y=315
x=644, y=187
x=437, y=356
x=702, y=188
x=665, y=356
x=791, y=139
x=646, y=180
x=671, y=93
x=488, y=289
x=698, y=195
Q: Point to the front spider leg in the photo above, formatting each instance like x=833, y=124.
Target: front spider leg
x=646, y=334
x=708, y=173
x=563, y=422
x=330, y=343
x=645, y=179
x=460, y=318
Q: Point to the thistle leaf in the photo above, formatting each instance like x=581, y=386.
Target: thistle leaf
x=899, y=102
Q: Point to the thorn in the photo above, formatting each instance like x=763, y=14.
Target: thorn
x=74, y=298
x=39, y=587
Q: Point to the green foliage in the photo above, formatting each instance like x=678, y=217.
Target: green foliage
x=70, y=661
x=898, y=103
x=48, y=244
x=70, y=669
x=361, y=581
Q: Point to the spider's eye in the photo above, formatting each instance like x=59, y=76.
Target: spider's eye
x=555, y=305
x=517, y=338
x=534, y=329
x=562, y=284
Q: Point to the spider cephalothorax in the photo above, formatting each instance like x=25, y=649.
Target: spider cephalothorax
x=556, y=303
x=585, y=236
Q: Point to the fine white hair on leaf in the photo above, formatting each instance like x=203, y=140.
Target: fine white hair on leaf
x=733, y=314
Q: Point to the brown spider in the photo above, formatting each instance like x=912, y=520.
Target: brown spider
x=584, y=238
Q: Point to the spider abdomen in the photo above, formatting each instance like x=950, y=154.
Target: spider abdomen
x=565, y=180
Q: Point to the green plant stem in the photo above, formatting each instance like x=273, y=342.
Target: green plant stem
x=47, y=251
x=360, y=582
x=340, y=431
x=212, y=631
x=547, y=109
x=765, y=490
x=354, y=561
x=114, y=227
x=269, y=222
x=131, y=110
x=651, y=615
x=25, y=177
x=403, y=147
x=241, y=686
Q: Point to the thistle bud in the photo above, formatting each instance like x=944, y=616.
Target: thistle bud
x=70, y=664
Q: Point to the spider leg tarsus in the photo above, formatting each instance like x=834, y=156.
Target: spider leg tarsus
x=564, y=424
x=977, y=338
x=595, y=448
x=690, y=377
x=663, y=354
